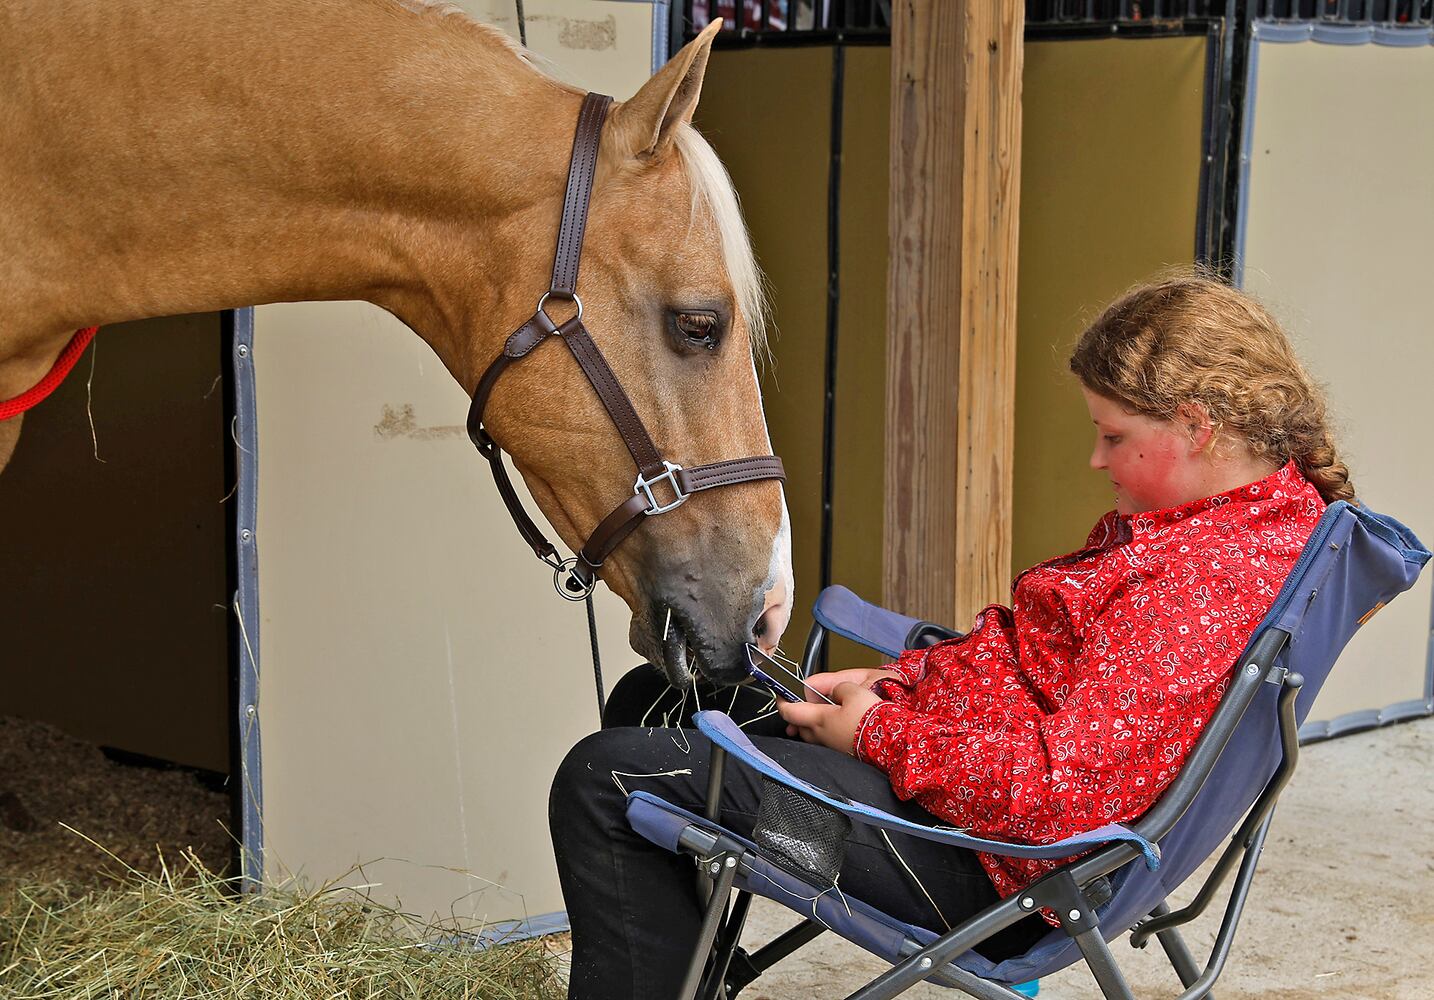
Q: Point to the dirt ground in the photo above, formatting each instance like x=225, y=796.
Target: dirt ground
x=1342, y=904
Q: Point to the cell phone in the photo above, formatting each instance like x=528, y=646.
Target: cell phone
x=781, y=680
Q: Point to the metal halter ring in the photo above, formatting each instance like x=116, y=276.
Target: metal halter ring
x=561, y=585
x=547, y=295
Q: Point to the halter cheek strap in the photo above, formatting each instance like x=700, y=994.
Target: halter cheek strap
x=660, y=485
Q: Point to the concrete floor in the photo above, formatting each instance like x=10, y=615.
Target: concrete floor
x=1342, y=904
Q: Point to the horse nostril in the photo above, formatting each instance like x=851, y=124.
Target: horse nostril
x=759, y=630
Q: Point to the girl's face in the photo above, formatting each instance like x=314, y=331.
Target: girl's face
x=1152, y=464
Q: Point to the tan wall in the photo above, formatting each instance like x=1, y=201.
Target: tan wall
x=858, y=503
x=1111, y=159
x=1339, y=242
x=777, y=153
x=420, y=681
x=780, y=161
x=112, y=571
x=1110, y=170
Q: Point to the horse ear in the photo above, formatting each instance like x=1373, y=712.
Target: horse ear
x=648, y=120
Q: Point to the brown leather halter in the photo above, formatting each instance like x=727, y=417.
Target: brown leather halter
x=575, y=577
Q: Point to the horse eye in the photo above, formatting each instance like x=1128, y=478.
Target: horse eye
x=700, y=327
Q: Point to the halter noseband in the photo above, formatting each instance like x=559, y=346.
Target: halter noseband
x=653, y=471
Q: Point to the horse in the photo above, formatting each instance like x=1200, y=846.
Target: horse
x=200, y=155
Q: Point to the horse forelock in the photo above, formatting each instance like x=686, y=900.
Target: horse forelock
x=713, y=193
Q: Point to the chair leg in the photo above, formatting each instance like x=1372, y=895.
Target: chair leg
x=726, y=865
x=727, y=937
x=1102, y=965
x=1177, y=951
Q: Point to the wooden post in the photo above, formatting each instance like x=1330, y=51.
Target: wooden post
x=951, y=306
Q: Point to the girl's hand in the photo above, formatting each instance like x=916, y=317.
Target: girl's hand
x=860, y=676
x=830, y=725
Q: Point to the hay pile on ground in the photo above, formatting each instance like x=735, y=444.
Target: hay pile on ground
x=187, y=935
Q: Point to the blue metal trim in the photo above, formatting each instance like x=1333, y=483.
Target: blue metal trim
x=246, y=600
x=1403, y=38
x=1412, y=36
x=1429, y=658
x=1365, y=720
x=661, y=27
x=508, y=931
x=1342, y=34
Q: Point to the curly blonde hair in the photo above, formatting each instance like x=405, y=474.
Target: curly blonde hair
x=1192, y=339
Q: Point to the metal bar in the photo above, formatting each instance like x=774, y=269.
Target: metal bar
x=715, y=768
x=920, y=964
x=727, y=937
x=813, y=652
x=1102, y=965
x=1177, y=951
x=240, y=324
x=789, y=941
x=716, y=765
x=727, y=872
x=1245, y=835
x=834, y=156
x=1201, y=987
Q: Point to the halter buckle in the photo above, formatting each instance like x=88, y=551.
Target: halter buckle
x=644, y=486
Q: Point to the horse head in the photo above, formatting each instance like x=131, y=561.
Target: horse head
x=673, y=298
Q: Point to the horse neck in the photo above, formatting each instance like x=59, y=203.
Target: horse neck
x=192, y=156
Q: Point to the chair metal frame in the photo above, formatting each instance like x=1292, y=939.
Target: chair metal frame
x=720, y=969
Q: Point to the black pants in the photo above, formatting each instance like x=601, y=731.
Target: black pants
x=633, y=906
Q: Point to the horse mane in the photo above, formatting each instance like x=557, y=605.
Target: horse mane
x=712, y=191
x=711, y=185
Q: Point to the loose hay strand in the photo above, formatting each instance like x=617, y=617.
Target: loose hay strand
x=187, y=934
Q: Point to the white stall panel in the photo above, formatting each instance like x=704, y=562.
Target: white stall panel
x=419, y=678
x=1339, y=241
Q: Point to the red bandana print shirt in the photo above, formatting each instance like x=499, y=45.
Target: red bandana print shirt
x=1076, y=706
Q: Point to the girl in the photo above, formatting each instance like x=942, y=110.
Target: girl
x=1072, y=708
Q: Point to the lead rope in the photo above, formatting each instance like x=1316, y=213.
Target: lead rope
x=522, y=28
x=597, y=663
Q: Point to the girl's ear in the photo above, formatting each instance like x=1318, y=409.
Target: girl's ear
x=1195, y=419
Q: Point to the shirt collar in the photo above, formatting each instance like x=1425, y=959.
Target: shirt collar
x=1284, y=481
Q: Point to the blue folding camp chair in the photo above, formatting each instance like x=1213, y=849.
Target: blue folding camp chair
x=1355, y=562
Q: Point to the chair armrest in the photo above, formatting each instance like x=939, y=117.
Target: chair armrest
x=722, y=731
x=839, y=610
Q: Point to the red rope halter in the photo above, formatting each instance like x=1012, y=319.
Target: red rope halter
x=14, y=407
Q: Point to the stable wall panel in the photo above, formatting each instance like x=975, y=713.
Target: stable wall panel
x=419, y=679
x=1338, y=239
x=858, y=501
x=1110, y=180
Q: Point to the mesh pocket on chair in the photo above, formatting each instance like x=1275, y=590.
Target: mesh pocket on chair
x=800, y=835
